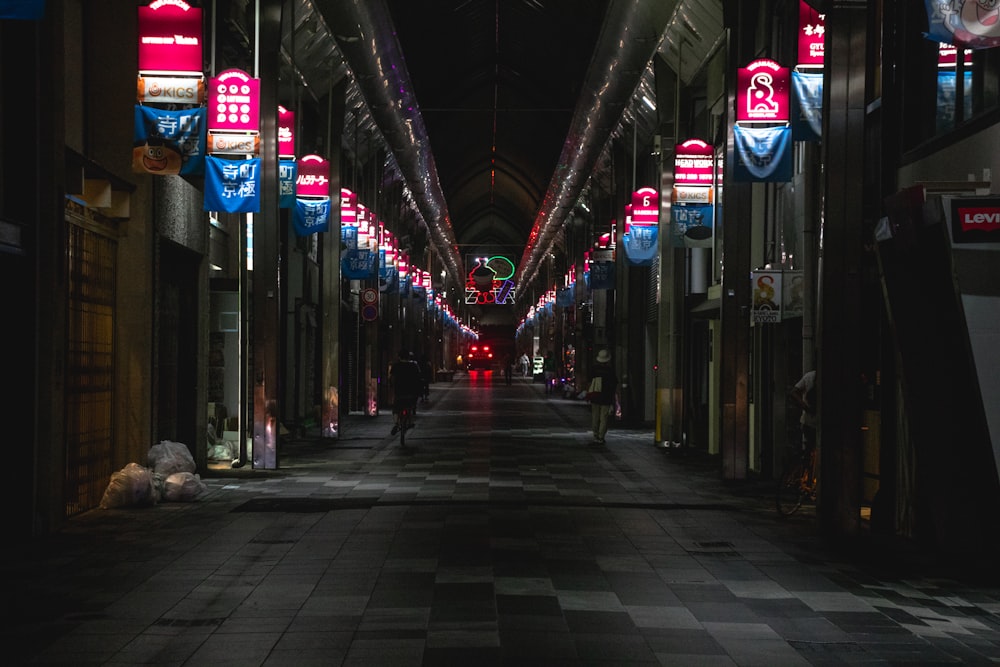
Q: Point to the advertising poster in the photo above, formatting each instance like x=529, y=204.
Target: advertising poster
x=311, y=216
x=766, y=289
x=232, y=186
x=168, y=142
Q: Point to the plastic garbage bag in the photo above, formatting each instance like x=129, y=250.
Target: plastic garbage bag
x=183, y=487
x=169, y=457
x=129, y=487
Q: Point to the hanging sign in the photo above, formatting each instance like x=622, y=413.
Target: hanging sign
x=287, y=170
x=763, y=154
x=691, y=225
x=232, y=186
x=314, y=177
x=170, y=37
x=975, y=219
x=812, y=30
x=234, y=102
x=971, y=23
x=807, y=123
x=762, y=89
x=693, y=163
x=490, y=280
x=766, y=286
x=286, y=133
x=170, y=90
x=645, y=207
x=234, y=143
x=641, y=245
x=311, y=216
x=168, y=142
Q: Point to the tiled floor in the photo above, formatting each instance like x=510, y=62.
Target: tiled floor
x=501, y=536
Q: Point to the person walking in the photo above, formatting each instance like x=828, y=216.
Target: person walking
x=602, y=399
x=405, y=383
x=549, y=372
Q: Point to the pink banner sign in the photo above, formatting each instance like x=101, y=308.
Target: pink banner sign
x=314, y=177
x=348, y=208
x=170, y=37
x=286, y=132
x=812, y=29
x=693, y=163
x=762, y=92
x=234, y=101
x=645, y=207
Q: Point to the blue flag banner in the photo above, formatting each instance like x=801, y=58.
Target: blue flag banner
x=349, y=237
x=602, y=275
x=168, y=142
x=807, y=106
x=763, y=154
x=358, y=264
x=971, y=24
x=564, y=297
x=287, y=172
x=641, y=245
x=311, y=216
x=691, y=225
x=232, y=186
x=24, y=10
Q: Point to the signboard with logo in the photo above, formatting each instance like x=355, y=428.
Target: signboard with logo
x=766, y=286
x=286, y=132
x=762, y=92
x=170, y=37
x=974, y=219
x=693, y=163
x=490, y=280
x=234, y=102
x=170, y=90
x=645, y=207
x=314, y=177
x=812, y=30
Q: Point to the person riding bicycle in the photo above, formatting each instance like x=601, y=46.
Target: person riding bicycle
x=406, y=384
x=803, y=394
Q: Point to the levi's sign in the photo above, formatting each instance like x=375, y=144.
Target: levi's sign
x=975, y=219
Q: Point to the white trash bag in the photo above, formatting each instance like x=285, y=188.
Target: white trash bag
x=130, y=487
x=169, y=457
x=183, y=487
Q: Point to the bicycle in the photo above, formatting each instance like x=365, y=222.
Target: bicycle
x=404, y=422
x=797, y=483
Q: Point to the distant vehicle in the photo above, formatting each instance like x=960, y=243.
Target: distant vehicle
x=479, y=358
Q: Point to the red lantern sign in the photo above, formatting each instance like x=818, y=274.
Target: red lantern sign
x=812, y=30
x=693, y=163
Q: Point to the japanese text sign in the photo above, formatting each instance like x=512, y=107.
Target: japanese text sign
x=812, y=29
x=314, y=177
x=286, y=132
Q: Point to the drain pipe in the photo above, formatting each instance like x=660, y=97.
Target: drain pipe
x=367, y=39
x=629, y=38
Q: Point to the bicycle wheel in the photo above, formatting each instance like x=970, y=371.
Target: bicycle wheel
x=404, y=424
x=789, y=495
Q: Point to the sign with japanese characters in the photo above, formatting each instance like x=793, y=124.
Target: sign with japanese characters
x=762, y=90
x=286, y=132
x=311, y=216
x=314, y=177
x=812, y=30
x=232, y=186
x=170, y=37
x=167, y=142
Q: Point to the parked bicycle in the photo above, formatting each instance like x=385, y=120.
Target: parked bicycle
x=797, y=483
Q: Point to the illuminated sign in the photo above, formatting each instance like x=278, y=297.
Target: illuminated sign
x=490, y=280
x=645, y=207
x=234, y=102
x=234, y=143
x=170, y=90
x=762, y=92
x=975, y=219
x=348, y=208
x=693, y=163
x=286, y=132
x=314, y=177
x=170, y=37
x=812, y=30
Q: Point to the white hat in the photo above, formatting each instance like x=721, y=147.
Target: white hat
x=603, y=357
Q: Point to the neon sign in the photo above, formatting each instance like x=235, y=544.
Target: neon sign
x=762, y=92
x=490, y=281
x=170, y=37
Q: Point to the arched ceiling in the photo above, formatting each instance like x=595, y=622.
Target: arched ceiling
x=497, y=82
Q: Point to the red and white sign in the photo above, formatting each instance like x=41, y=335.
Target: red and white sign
x=170, y=37
x=762, y=92
x=979, y=218
x=645, y=207
x=234, y=101
x=693, y=163
x=286, y=133
x=234, y=143
x=170, y=90
x=812, y=30
x=314, y=177
x=348, y=208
